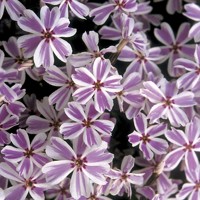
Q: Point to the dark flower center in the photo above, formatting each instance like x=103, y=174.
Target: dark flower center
x=175, y=48
x=145, y=138
x=47, y=35
x=98, y=85
x=29, y=183
x=168, y=103
x=87, y=123
x=28, y=153
x=197, y=186
x=189, y=147
x=79, y=162
x=124, y=177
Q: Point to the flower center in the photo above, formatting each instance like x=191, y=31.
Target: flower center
x=93, y=197
x=124, y=177
x=28, y=153
x=120, y=3
x=48, y=35
x=175, y=48
x=188, y=147
x=29, y=183
x=197, y=186
x=19, y=60
x=70, y=84
x=87, y=123
x=79, y=162
x=98, y=85
x=145, y=138
x=168, y=103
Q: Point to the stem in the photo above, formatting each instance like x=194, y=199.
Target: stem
x=120, y=46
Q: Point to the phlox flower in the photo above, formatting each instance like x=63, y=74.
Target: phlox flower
x=192, y=12
x=91, y=41
x=190, y=189
x=85, y=122
x=45, y=36
x=18, y=62
x=126, y=31
x=186, y=145
x=79, y=9
x=175, y=5
x=95, y=194
x=88, y=164
x=30, y=103
x=102, y=13
x=190, y=79
x=21, y=186
x=49, y=122
x=175, y=46
x=7, y=121
x=155, y=176
x=141, y=62
x=147, y=137
x=123, y=178
x=27, y=155
x=167, y=102
x=60, y=191
x=10, y=97
x=98, y=83
x=58, y=77
x=14, y=8
x=6, y=75
x=130, y=94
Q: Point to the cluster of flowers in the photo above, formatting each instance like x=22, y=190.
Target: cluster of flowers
x=59, y=147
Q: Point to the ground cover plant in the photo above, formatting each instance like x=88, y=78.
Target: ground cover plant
x=99, y=100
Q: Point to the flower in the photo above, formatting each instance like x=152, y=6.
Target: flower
x=190, y=79
x=79, y=9
x=146, y=137
x=190, y=189
x=45, y=36
x=17, y=61
x=7, y=121
x=175, y=5
x=130, y=94
x=141, y=62
x=8, y=75
x=50, y=122
x=91, y=40
x=175, y=47
x=187, y=143
x=98, y=84
x=192, y=12
x=167, y=103
x=14, y=8
x=55, y=76
x=21, y=186
x=85, y=122
x=102, y=13
x=26, y=154
x=88, y=164
x=10, y=96
x=123, y=178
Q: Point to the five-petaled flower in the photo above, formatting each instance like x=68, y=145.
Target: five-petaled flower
x=45, y=36
x=100, y=84
x=88, y=164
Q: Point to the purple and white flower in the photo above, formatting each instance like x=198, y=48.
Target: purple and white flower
x=85, y=122
x=27, y=155
x=79, y=9
x=45, y=36
x=146, y=137
x=99, y=84
x=88, y=164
